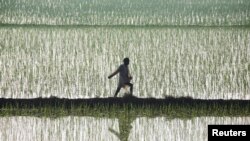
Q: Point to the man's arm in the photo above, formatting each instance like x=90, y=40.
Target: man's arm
x=113, y=74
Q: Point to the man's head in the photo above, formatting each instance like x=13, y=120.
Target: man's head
x=126, y=61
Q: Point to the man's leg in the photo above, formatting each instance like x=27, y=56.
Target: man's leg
x=131, y=87
x=117, y=91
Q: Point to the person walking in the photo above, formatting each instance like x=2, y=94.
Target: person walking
x=124, y=77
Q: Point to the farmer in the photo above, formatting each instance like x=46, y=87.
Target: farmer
x=124, y=77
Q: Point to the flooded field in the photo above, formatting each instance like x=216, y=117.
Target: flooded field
x=125, y=12
x=190, y=62
x=91, y=129
x=65, y=48
x=74, y=62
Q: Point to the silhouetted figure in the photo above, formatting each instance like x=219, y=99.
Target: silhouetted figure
x=124, y=77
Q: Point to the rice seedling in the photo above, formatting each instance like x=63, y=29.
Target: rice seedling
x=125, y=12
x=206, y=63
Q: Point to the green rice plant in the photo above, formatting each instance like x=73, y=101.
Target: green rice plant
x=126, y=12
x=199, y=62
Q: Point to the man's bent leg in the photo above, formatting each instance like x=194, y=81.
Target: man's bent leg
x=131, y=87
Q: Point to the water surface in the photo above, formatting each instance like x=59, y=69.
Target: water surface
x=102, y=129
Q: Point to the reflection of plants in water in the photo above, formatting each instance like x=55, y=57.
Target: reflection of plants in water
x=124, y=109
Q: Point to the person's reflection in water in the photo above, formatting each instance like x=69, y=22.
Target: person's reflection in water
x=124, y=127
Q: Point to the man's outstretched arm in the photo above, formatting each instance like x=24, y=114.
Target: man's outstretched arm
x=113, y=74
